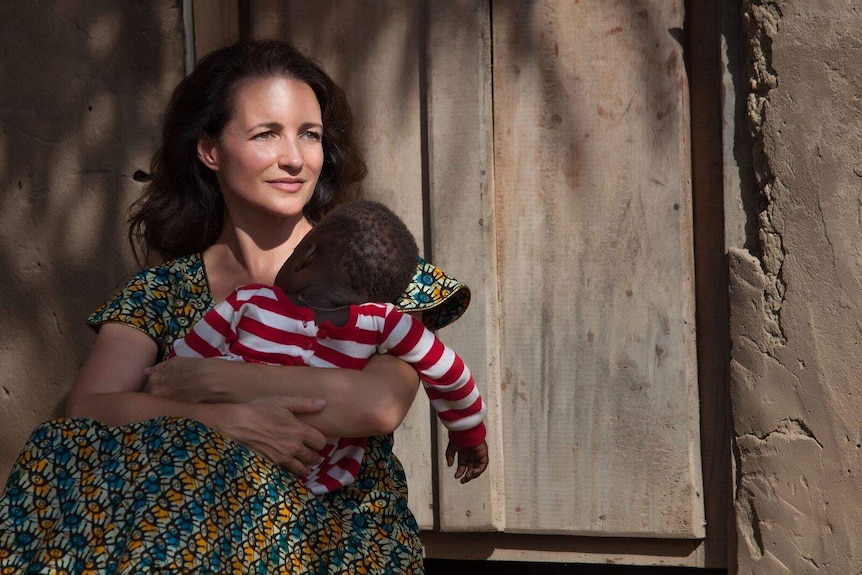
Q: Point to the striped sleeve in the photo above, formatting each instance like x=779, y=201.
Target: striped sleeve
x=213, y=334
x=445, y=377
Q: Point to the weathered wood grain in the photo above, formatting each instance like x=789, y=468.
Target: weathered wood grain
x=463, y=233
x=216, y=24
x=599, y=382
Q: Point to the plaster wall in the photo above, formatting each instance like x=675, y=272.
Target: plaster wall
x=82, y=88
x=796, y=295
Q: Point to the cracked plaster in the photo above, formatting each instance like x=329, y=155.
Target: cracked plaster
x=795, y=300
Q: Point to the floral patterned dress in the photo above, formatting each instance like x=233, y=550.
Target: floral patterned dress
x=171, y=495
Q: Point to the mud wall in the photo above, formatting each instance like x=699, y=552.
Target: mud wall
x=796, y=294
x=83, y=88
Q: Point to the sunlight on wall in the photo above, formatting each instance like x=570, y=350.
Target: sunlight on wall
x=104, y=35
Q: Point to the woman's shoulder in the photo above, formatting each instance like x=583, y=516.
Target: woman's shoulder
x=163, y=300
x=440, y=297
x=176, y=272
x=180, y=277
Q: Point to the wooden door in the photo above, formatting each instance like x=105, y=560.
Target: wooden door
x=585, y=244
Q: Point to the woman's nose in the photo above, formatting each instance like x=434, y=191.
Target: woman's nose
x=289, y=156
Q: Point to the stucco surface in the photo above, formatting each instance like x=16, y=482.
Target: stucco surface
x=795, y=301
x=83, y=88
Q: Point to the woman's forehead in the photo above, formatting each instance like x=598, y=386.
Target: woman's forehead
x=277, y=99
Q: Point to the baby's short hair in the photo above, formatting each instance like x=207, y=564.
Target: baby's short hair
x=373, y=247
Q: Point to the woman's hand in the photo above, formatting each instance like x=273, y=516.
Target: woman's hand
x=108, y=389
x=359, y=403
x=187, y=379
x=270, y=428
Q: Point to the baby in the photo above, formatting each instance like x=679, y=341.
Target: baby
x=317, y=314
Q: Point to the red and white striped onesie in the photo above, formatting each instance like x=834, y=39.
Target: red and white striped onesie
x=259, y=323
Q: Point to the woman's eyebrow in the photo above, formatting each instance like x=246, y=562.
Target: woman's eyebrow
x=278, y=126
x=274, y=126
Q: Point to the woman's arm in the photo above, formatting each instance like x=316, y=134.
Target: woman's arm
x=108, y=389
x=373, y=401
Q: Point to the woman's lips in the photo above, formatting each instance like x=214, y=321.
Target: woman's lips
x=286, y=185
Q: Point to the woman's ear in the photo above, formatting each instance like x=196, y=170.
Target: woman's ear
x=208, y=152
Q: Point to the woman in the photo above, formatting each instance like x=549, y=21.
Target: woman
x=256, y=147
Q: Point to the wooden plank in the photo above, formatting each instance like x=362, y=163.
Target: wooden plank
x=462, y=230
x=594, y=244
x=371, y=49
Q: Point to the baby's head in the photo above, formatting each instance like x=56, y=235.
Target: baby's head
x=362, y=246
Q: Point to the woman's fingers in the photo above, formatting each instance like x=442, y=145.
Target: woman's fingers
x=291, y=406
x=300, y=462
x=296, y=468
x=270, y=428
x=294, y=404
x=308, y=456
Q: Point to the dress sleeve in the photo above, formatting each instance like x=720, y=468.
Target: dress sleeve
x=129, y=306
x=441, y=298
x=162, y=302
x=137, y=304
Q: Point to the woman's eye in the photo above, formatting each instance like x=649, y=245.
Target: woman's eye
x=268, y=135
x=312, y=135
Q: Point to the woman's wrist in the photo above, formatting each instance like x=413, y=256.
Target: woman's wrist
x=213, y=415
x=212, y=376
x=195, y=380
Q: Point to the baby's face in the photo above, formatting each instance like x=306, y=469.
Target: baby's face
x=311, y=263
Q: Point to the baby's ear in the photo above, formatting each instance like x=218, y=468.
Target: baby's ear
x=308, y=251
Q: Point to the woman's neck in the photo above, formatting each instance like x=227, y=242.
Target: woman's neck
x=251, y=253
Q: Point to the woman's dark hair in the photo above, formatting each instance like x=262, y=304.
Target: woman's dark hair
x=181, y=210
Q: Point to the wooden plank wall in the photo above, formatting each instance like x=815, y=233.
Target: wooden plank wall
x=593, y=213
x=463, y=230
x=216, y=24
x=540, y=152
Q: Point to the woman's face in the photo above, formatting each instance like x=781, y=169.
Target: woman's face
x=270, y=154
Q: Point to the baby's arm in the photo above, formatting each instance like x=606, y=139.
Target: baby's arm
x=450, y=387
x=212, y=334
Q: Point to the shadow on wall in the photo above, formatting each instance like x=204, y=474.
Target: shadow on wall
x=84, y=84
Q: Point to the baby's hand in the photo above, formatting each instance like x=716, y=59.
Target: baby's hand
x=472, y=461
